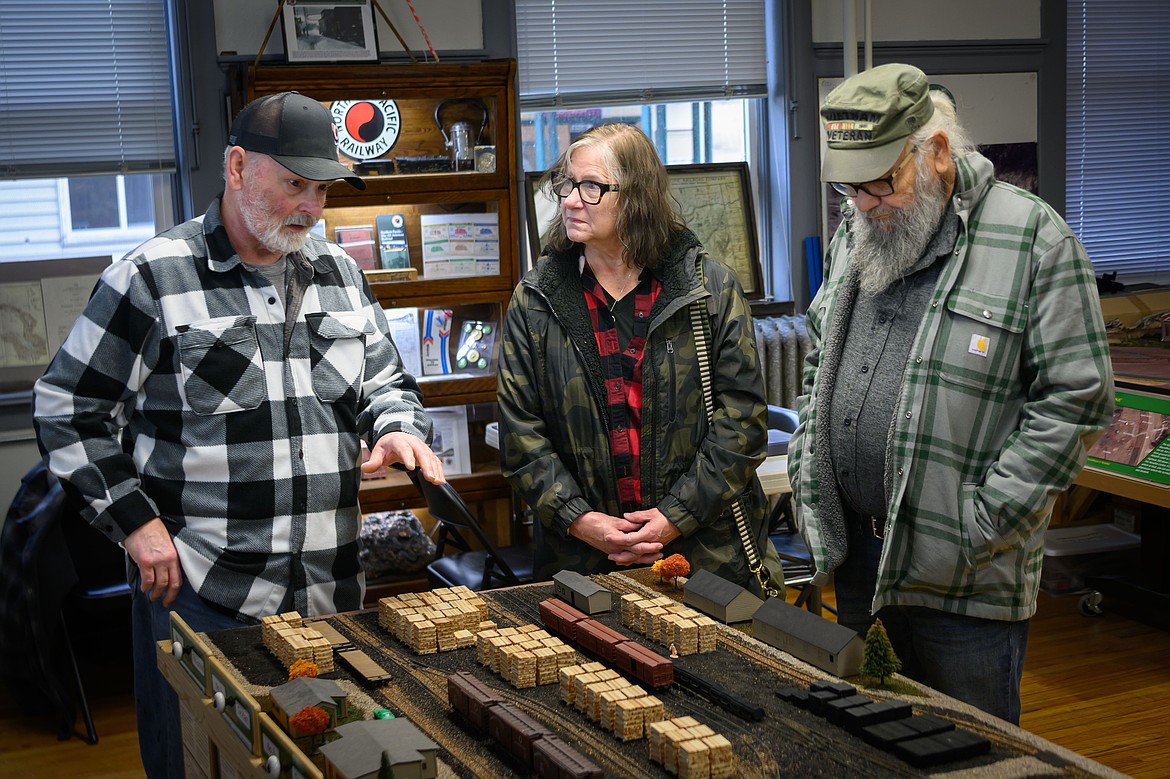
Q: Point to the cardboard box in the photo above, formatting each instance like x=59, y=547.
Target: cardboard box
x=1072, y=553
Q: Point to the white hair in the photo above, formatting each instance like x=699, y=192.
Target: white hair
x=944, y=119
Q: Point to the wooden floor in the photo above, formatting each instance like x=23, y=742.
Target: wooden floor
x=1099, y=686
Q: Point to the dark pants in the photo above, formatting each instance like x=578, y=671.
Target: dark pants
x=160, y=739
x=978, y=661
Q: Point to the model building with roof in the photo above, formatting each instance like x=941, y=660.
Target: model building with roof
x=715, y=596
x=809, y=637
x=582, y=592
x=325, y=694
x=371, y=749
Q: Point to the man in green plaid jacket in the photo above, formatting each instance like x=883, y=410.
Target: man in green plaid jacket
x=960, y=371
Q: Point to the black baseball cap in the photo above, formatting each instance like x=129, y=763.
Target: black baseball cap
x=297, y=132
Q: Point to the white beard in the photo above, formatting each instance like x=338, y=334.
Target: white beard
x=884, y=250
x=268, y=230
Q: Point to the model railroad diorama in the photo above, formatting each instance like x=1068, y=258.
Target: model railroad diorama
x=625, y=668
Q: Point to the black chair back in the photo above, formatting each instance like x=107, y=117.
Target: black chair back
x=477, y=569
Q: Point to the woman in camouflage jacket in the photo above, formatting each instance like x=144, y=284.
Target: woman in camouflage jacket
x=586, y=353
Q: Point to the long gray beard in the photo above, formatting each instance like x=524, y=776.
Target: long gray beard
x=885, y=254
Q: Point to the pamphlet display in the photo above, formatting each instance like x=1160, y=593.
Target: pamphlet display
x=460, y=245
x=392, y=244
x=1136, y=442
x=436, y=339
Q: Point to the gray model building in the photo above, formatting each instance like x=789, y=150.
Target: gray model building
x=582, y=592
x=809, y=637
x=366, y=746
x=718, y=598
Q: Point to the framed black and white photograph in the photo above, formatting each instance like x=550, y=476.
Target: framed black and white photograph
x=340, y=31
x=715, y=202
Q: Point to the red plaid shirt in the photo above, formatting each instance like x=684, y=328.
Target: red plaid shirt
x=621, y=367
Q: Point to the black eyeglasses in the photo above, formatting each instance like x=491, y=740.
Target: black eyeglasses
x=877, y=187
x=590, y=191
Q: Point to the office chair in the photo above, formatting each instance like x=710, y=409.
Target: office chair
x=794, y=555
x=476, y=569
x=43, y=581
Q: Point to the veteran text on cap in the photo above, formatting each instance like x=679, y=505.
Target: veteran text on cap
x=868, y=118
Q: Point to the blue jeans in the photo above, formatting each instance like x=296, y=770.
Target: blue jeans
x=160, y=738
x=978, y=661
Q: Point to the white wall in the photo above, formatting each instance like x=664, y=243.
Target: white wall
x=930, y=20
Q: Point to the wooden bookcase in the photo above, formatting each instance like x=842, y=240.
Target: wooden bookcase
x=419, y=177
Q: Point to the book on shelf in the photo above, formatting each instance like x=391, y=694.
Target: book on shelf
x=392, y=246
x=358, y=242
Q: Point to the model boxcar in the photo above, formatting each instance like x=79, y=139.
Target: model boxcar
x=645, y=665
x=561, y=617
x=599, y=639
x=554, y=759
x=471, y=698
x=514, y=730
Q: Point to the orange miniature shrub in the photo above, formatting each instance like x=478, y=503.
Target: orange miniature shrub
x=303, y=668
x=656, y=569
x=309, y=721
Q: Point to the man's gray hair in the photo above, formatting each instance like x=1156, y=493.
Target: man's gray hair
x=944, y=119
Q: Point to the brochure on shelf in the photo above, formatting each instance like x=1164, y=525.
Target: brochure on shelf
x=460, y=245
x=392, y=245
x=404, y=329
x=450, y=442
x=436, y=339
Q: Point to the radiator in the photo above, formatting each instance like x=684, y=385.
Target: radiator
x=782, y=343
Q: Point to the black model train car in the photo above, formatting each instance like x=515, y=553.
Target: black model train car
x=554, y=759
x=471, y=698
x=515, y=730
x=644, y=665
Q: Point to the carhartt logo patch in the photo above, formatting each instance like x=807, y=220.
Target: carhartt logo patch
x=979, y=345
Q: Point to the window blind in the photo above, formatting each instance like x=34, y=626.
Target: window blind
x=607, y=52
x=1118, y=135
x=85, y=87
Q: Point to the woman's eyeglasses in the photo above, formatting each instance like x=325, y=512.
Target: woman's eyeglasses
x=877, y=187
x=590, y=191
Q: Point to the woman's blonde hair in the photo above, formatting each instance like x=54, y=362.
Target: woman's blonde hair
x=647, y=217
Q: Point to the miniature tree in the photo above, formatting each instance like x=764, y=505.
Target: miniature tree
x=656, y=569
x=303, y=668
x=309, y=721
x=675, y=566
x=879, y=659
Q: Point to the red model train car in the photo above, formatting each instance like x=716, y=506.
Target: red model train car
x=471, y=698
x=561, y=617
x=645, y=665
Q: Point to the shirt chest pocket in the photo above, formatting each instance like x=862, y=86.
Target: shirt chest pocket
x=337, y=351
x=984, y=338
x=222, y=368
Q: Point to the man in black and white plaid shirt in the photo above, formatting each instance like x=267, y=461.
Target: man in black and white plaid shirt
x=208, y=405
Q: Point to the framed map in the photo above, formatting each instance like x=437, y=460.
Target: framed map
x=714, y=200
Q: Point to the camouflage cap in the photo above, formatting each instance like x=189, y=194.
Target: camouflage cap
x=868, y=118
